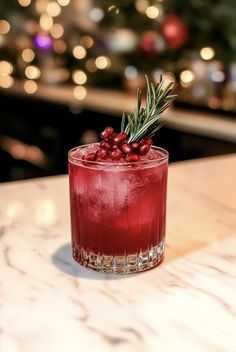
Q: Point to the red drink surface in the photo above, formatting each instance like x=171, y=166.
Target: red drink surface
x=117, y=208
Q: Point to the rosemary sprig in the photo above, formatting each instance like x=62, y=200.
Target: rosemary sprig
x=144, y=122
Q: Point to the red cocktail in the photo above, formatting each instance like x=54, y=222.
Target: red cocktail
x=118, y=210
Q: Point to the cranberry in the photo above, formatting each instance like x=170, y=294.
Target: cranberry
x=126, y=148
x=146, y=141
x=105, y=144
x=89, y=157
x=120, y=137
x=102, y=153
x=135, y=145
x=116, y=154
x=132, y=157
x=144, y=148
x=149, y=141
x=107, y=132
x=111, y=138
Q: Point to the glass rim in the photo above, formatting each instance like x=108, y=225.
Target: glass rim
x=89, y=163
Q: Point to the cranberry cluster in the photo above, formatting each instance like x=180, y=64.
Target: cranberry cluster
x=114, y=146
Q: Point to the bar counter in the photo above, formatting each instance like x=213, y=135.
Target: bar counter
x=188, y=303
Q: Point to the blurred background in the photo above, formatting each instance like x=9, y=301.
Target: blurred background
x=68, y=68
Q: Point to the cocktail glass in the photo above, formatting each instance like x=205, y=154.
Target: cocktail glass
x=118, y=211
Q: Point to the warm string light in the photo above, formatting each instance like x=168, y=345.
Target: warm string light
x=45, y=22
x=4, y=27
x=6, y=68
x=152, y=12
x=80, y=93
x=24, y=3
x=6, y=80
x=207, y=53
x=79, y=77
x=79, y=52
x=53, y=9
x=32, y=72
x=57, y=31
x=30, y=86
x=186, y=78
x=63, y=2
x=102, y=62
x=28, y=55
x=47, y=10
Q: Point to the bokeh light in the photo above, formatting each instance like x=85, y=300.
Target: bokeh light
x=4, y=27
x=102, y=62
x=24, y=3
x=53, y=9
x=79, y=92
x=30, y=86
x=32, y=72
x=6, y=68
x=186, y=78
x=218, y=76
x=131, y=72
x=79, y=52
x=28, y=55
x=207, y=53
x=152, y=12
x=86, y=41
x=96, y=14
x=57, y=31
x=63, y=2
x=6, y=81
x=43, y=41
x=79, y=77
x=46, y=22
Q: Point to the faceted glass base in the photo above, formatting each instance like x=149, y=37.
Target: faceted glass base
x=128, y=264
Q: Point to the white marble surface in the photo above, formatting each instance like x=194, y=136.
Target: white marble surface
x=188, y=304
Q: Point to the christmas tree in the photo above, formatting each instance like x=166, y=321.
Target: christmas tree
x=113, y=43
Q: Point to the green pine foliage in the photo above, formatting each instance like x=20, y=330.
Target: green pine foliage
x=145, y=122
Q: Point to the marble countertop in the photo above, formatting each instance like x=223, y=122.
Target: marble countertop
x=51, y=304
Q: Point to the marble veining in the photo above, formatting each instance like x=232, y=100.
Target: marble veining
x=50, y=303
